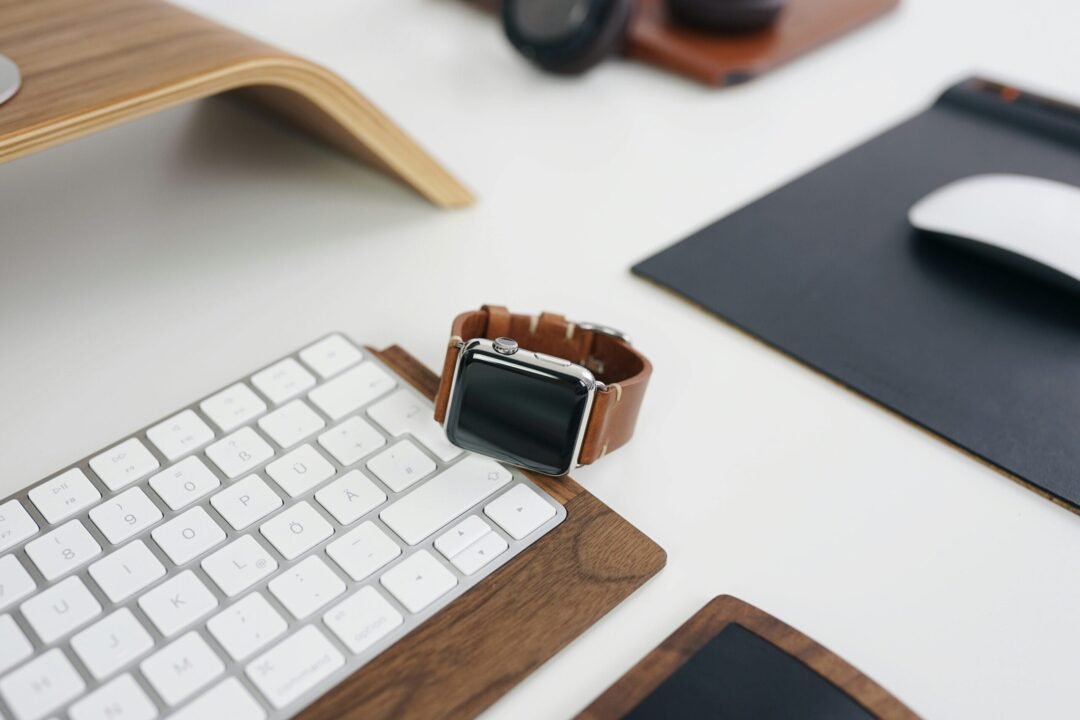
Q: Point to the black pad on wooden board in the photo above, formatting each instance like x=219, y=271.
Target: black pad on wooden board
x=828, y=270
x=738, y=674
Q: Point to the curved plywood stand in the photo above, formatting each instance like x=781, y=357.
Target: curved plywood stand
x=90, y=65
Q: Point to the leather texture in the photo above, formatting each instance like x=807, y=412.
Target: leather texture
x=617, y=364
x=829, y=270
x=728, y=59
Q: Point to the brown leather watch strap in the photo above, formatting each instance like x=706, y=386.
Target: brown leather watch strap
x=612, y=360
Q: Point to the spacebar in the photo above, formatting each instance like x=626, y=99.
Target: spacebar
x=444, y=498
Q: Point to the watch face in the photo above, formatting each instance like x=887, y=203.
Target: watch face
x=527, y=413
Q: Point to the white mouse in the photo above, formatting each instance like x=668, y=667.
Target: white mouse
x=1031, y=223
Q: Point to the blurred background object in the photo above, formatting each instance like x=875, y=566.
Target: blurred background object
x=718, y=42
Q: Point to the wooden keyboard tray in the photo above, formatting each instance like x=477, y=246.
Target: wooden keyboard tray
x=487, y=641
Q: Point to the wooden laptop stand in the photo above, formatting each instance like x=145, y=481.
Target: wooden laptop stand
x=487, y=641
x=90, y=64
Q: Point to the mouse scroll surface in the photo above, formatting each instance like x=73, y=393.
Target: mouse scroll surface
x=1031, y=223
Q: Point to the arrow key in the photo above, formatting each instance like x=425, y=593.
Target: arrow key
x=418, y=581
x=480, y=553
x=520, y=511
x=461, y=536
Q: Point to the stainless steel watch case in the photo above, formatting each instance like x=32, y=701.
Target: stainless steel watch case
x=549, y=364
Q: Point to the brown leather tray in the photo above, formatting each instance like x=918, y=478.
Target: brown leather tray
x=642, y=679
x=473, y=652
x=721, y=60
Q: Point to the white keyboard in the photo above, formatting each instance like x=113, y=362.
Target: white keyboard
x=243, y=556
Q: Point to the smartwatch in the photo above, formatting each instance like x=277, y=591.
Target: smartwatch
x=538, y=391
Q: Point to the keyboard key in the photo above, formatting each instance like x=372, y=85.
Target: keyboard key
x=124, y=464
x=120, y=699
x=245, y=502
x=188, y=536
x=62, y=550
x=15, y=582
x=126, y=571
x=14, y=647
x=42, y=685
x=418, y=580
x=180, y=434
x=296, y=530
x=294, y=666
x=300, y=470
x=227, y=699
x=247, y=626
x=240, y=452
x=183, y=667
x=350, y=497
x=351, y=390
x=109, y=644
x=125, y=515
x=401, y=465
x=444, y=498
x=58, y=610
x=239, y=565
x=331, y=355
x=306, y=587
x=64, y=495
x=519, y=511
x=233, y=406
x=15, y=524
x=480, y=553
x=283, y=380
x=177, y=602
x=405, y=412
x=363, y=619
x=184, y=483
x=363, y=550
x=461, y=536
x=291, y=423
x=352, y=440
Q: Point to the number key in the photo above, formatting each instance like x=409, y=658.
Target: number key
x=64, y=549
x=127, y=514
x=184, y=483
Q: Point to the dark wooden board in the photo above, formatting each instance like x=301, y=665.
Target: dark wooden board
x=483, y=644
x=684, y=643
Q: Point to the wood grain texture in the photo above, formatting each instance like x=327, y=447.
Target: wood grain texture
x=90, y=65
x=718, y=59
x=684, y=643
x=486, y=642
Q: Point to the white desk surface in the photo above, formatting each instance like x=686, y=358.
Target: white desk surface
x=147, y=265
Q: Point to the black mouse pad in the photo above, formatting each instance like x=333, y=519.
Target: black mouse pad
x=738, y=674
x=828, y=270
